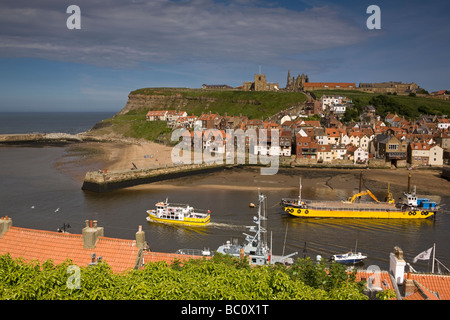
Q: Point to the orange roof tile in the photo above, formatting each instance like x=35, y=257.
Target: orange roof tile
x=329, y=84
x=39, y=245
x=381, y=279
x=438, y=285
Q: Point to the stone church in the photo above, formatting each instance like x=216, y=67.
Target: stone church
x=296, y=84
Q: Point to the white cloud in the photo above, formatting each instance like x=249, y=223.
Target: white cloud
x=125, y=33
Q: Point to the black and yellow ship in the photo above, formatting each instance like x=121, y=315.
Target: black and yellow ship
x=411, y=207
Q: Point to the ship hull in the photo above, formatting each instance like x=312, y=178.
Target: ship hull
x=372, y=213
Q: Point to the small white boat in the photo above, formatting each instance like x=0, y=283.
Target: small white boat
x=349, y=257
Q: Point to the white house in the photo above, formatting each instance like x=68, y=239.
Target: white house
x=360, y=156
x=268, y=150
x=324, y=153
x=333, y=135
x=156, y=115
x=285, y=118
x=364, y=142
x=338, y=108
x=436, y=157
x=345, y=139
x=443, y=124
x=329, y=101
x=338, y=151
x=322, y=139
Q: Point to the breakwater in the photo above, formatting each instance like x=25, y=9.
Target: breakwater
x=41, y=138
x=106, y=181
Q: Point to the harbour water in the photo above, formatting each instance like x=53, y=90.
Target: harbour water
x=38, y=195
x=49, y=122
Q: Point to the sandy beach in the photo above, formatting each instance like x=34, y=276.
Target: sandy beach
x=92, y=156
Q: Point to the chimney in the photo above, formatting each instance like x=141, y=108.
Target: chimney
x=90, y=234
x=409, y=287
x=5, y=224
x=397, y=265
x=140, y=239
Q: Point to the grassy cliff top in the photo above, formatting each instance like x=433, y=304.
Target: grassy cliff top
x=253, y=104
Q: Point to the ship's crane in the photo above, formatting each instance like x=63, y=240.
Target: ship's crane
x=367, y=192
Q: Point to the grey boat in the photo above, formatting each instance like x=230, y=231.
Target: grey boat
x=255, y=246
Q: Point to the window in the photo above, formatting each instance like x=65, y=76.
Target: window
x=393, y=147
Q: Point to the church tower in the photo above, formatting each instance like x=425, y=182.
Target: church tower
x=288, y=82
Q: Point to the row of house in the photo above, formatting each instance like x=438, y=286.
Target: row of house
x=335, y=104
x=396, y=140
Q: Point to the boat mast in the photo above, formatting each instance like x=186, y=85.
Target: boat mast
x=409, y=182
x=262, y=218
x=300, y=192
x=434, y=251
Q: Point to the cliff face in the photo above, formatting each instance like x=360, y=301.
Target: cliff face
x=253, y=104
x=160, y=102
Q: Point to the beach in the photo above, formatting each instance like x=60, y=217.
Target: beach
x=122, y=155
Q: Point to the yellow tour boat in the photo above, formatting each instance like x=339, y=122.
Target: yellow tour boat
x=178, y=214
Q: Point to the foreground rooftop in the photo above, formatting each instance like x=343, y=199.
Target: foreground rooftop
x=122, y=255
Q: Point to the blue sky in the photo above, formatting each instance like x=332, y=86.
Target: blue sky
x=128, y=44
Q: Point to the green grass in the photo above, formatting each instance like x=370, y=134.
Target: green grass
x=134, y=125
x=254, y=105
x=403, y=105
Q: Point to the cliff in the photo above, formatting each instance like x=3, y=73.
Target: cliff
x=137, y=102
x=255, y=105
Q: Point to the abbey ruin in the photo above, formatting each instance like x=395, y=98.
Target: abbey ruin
x=302, y=83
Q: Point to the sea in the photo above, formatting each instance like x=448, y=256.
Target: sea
x=36, y=194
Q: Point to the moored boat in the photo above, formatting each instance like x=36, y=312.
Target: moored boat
x=411, y=207
x=176, y=213
x=255, y=247
x=350, y=257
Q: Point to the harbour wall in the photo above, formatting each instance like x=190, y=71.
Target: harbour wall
x=106, y=181
x=446, y=172
x=41, y=138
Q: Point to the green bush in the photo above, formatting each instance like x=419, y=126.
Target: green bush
x=221, y=277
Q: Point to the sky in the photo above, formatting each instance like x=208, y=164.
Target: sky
x=123, y=45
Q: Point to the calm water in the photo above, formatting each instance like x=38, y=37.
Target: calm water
x=32, y=190
x=46, y=122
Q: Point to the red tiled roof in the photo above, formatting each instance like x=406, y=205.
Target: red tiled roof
x=329, y=84
x=382, y=279
x=208, y=116
x=332, y=132
x=156, y=113
x=324, y=148
x=39, y=245
x=433, y=285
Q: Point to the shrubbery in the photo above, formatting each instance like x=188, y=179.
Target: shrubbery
x=221, y=277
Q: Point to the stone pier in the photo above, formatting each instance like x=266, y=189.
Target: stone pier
x=105, y=181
